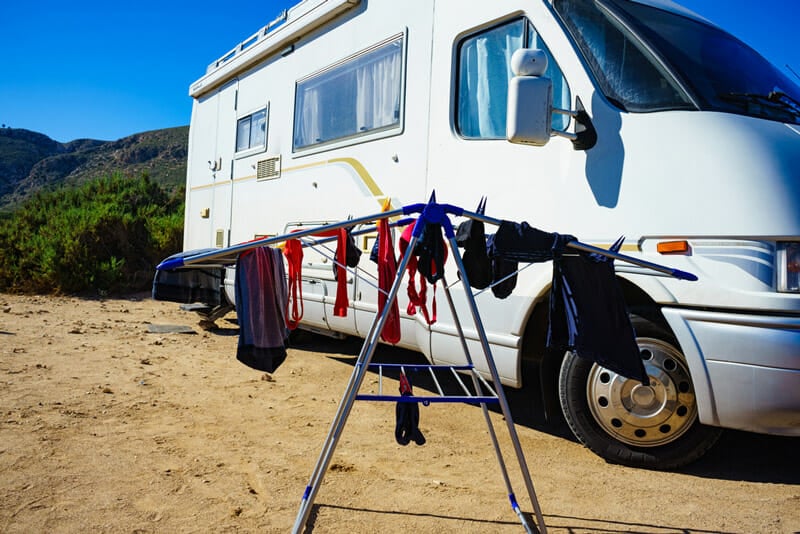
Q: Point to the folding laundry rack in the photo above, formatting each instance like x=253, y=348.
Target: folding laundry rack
x=481, y=391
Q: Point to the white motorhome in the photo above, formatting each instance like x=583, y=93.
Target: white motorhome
x=682, y=138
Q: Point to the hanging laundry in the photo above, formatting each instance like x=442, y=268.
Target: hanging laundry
x=519, y=242
x=261, y=298
x=588, y=314
x=293, y=250
x=431, y=253
x=351, y=255
x=407, y=416
x=471, y=236
x=347, y=255
x=430, y=250
x=504, y=272
x=387, y=271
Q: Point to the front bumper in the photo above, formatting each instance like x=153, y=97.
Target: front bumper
x=745, y=368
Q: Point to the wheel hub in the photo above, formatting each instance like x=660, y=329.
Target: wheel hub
x=644, y=415
x=643, y=395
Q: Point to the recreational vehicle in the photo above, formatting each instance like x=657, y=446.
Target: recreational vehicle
x=644, y=121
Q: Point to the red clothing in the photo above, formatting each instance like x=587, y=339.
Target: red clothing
x=387, y=271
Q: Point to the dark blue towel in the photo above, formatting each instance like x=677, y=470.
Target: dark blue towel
x=261, y=300
x=588, y=314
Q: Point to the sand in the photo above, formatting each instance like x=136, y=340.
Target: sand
x=125, y=415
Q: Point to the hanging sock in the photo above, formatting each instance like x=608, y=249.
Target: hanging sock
x=471, y=236
x=519, y=242
x=431, y=251
x=340, y=274
x=347, y=255
x=407, y=416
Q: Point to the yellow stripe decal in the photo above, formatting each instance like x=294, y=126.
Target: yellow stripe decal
x=356, y=165
x=362, y=172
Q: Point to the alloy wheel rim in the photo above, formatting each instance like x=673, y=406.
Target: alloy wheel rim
x=645, y=415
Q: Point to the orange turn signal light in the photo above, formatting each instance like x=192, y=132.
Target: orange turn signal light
x=673, y=247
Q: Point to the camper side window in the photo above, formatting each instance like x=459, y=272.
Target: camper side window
x=361, y=95
x=251, y=131
x=483, y=75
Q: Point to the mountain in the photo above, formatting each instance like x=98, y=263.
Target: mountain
x=30, y=161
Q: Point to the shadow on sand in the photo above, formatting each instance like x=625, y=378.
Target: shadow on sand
x=740, y=456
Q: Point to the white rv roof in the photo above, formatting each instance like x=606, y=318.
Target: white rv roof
x=275, y=37
x=308, y=15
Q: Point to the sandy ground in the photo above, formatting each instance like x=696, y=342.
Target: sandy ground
x=108, y=427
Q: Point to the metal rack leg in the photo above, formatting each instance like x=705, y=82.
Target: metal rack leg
x=500, y=394
x=346, y=404
x=484, y=408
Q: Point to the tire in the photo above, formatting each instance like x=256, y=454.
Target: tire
x=652, y=427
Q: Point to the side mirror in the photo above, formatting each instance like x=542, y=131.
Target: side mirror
x=530, y=99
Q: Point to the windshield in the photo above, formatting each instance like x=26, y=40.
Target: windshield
x=648, y=59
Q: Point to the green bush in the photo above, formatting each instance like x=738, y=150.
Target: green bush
x=105, y=236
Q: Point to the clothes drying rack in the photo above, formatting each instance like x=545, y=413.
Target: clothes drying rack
x=481, y=391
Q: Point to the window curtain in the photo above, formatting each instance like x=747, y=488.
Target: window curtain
x=308, y=129
x=485, y=68
x=378, y=91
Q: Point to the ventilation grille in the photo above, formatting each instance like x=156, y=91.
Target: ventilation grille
x=220, y=238
x=269, y=169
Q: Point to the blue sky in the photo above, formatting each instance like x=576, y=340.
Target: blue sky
x=106, y=70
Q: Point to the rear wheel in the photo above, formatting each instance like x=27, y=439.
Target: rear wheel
x=625, y=422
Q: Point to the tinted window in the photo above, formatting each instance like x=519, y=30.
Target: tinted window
x=627, y=71
x=721, y=72
x=649, y=59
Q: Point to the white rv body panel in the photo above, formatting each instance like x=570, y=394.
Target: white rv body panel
x=725, y=183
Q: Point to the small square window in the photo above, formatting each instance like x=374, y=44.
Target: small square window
x=251, y=131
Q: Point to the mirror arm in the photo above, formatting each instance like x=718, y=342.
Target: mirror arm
x=584, y=129
x=566, y=135
x=585, y=136
x=573, y=114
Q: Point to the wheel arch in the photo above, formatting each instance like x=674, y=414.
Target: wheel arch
x=561, y=395
x=534, y=349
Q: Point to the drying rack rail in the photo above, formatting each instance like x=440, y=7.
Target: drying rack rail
x=447, y=380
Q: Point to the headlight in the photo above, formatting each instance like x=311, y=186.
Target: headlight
x=788, y=260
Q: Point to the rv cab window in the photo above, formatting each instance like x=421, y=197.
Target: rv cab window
x=647, y=58
x=251, y=131
x=484, y=72
x=626, y=68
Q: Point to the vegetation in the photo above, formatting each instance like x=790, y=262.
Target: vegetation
x=104, y=236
